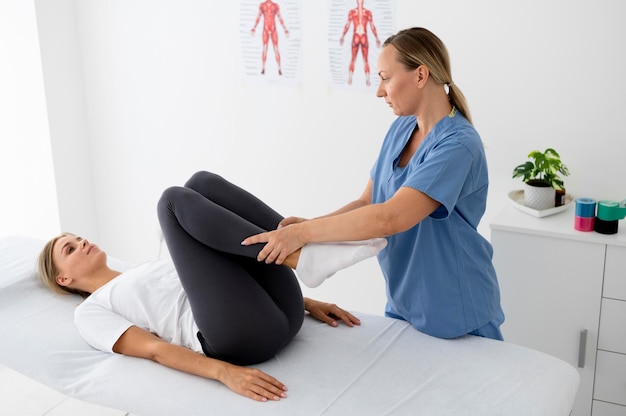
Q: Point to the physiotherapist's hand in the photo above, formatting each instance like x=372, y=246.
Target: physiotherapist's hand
x=290, y=220
x=279, y=244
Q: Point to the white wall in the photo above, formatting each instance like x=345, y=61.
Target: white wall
x=150, y=92
x=28, y=199
x=65, y=93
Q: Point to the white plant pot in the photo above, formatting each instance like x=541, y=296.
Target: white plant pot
x=538, y=197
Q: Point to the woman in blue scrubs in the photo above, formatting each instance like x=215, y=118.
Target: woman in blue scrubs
x=426, y=194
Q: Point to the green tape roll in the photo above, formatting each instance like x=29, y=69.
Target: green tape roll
x=611, y=211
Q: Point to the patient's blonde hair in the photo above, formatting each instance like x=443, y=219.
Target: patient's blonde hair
x=48, y=271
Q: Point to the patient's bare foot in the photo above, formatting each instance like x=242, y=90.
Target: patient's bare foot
x=292, y=259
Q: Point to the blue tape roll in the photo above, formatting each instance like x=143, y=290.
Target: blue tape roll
x=586, y=207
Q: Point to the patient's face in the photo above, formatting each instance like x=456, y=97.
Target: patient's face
x=76, y=257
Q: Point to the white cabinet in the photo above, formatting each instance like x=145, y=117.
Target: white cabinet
x=610, y=384
x=551, y=280
x=551, y=292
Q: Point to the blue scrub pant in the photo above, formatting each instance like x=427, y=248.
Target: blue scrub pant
x=490, y=330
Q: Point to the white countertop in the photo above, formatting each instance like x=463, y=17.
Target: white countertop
x=560, y=225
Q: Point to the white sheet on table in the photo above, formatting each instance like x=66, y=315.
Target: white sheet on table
x=383, y=367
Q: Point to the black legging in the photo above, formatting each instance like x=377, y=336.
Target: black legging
x=246, y=310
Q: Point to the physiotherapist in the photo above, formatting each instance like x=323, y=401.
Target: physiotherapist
x=426, y=194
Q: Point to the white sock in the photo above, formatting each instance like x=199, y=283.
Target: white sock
x=319, y=261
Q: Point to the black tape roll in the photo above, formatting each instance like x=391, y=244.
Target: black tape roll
x=605, y=227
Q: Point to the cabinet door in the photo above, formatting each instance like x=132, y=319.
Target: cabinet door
x=607, y=409
x=611, y=378
x=615, y=273
x=551, y=292
x=612, y=329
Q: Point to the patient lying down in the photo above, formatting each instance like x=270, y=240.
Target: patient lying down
x=214, y=309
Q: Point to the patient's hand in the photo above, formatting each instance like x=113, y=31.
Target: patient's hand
x=252, y=383
x=329, y=313
x=249, y=382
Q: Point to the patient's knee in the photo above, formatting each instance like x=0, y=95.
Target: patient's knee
x=203, y=179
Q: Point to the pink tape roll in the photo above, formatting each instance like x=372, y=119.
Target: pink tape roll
x=583, y=223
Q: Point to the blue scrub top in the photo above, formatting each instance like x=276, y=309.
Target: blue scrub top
x=439, y=273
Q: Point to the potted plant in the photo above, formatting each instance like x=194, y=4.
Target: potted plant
x=541, y=178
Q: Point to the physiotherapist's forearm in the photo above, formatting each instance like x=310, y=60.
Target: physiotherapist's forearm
x=355, y=223
x=405, y=210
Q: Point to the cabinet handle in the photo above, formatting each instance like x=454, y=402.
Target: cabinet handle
x=582, y=348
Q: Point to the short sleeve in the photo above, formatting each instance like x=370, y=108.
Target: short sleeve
x=99, y=326
x=442, y=175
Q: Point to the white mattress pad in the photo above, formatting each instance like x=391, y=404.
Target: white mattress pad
x=383, y=367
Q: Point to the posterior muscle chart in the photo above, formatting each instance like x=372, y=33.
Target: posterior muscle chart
x=356, y=29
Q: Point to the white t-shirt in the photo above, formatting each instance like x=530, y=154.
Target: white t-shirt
x=149, y=296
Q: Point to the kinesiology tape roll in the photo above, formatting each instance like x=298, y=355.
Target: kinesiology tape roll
x=585, y=214
x=609, y=213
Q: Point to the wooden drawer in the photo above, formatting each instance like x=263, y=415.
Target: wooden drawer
x=607, y=409
x=613, y=326
x=610, y=385
x=615, y=273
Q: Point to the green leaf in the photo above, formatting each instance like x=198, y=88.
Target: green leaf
x=545, y=166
